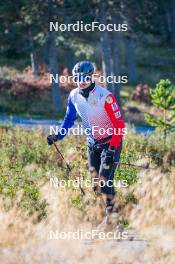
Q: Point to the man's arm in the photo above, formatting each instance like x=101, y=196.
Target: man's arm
x=113, y=110
x=69, y=119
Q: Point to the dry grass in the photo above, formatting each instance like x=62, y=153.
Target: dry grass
x=25, y=240
x=152, y=218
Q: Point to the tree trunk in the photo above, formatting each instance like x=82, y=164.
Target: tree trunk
x=70, y=57
x=172, y=20
x=33, y=56
x=53, y=64
x=113, y=38
x=165, y=19
x=70, y=61
x=54, y=71
x=130, y=60
x=34, y=63
x=105, y=46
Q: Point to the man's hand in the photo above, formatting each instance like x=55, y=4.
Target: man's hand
x=109, y=155
x=51, y=139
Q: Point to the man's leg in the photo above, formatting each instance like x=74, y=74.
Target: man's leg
x=107, y=175
x=94, y=161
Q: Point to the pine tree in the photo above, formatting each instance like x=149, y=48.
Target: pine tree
x=163, y=97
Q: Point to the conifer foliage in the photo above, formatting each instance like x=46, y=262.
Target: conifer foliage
x=163, y=97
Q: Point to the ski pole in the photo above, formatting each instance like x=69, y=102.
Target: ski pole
x=133, y=165
x=61, y=155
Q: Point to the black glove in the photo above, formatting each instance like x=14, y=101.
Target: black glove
x=51, y=139
x=109, y=156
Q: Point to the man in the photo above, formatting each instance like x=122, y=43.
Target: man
x=101, y=115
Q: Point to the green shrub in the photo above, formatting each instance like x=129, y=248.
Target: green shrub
x=163, y=97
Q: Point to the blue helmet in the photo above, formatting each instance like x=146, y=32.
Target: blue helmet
x=83, y=69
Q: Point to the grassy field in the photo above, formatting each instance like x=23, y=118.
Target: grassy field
x=30, y=207
x=27, y=162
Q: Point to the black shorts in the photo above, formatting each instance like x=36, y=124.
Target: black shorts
x=96, y=161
